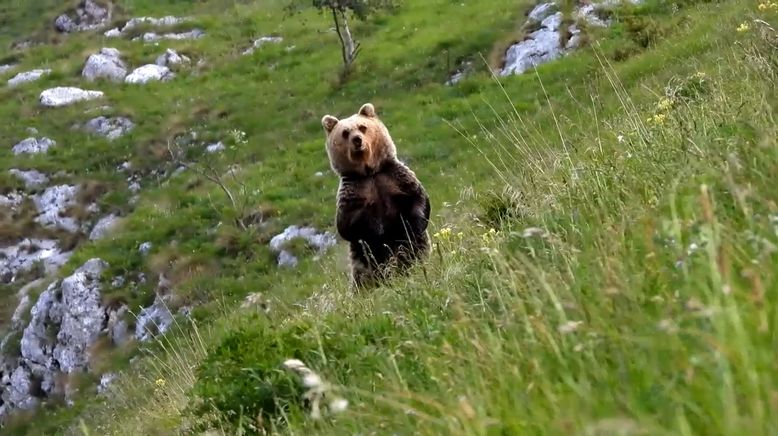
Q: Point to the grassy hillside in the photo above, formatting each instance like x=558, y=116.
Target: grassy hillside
x=605, y=228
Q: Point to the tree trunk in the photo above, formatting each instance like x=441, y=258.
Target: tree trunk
x=349, y=48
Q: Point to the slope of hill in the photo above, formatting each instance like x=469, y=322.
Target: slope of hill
x=605, y=226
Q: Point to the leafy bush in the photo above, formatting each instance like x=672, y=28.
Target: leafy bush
x=242, y=379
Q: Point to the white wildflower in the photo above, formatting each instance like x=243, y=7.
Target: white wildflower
x=312, y=381
x=531, y=232
x=293, y=364
x=338, y=405
x=570, y=327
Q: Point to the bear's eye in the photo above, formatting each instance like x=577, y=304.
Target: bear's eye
x=363, y=129
x=345, y=134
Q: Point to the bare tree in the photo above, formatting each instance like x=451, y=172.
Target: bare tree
x=340, y=10
x=207, y=166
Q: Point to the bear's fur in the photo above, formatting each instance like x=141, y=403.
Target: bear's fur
x=382, y=208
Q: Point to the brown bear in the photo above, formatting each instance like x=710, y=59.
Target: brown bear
x=382, y=208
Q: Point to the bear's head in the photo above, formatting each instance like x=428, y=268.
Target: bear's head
x=358, y=144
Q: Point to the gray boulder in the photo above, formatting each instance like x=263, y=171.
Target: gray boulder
x=11, y=201
x=65, y=322
x=27, y=76
x=83, y=316
x=153, y=320
x=541, y=46
x=117, y=327
x=52, y=205
x=106, y=64
x=103, y=227
x=541, y=11
x=87, y=16
x=32, y=179
x=23, y=256
x=33, y=146
x=321, y=241
x=111, y=128
x=20, y=392
x=105, y=382
x=170, y=58
x=149, y=73
x=67, y=95
x=113, y=33
x=145, y=248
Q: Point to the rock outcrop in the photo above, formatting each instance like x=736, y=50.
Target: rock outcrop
x=320, y=241
x=88, y=15
x=153, y=320
x=32, y=179
x=104, y=227
x=53, y=203
x=105, y=64
x=153, y=37
x=67, y=95
x=65, y=322
x=553, y=39
x=22, y=257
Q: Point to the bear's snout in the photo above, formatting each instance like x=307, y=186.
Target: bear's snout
x=357, y=141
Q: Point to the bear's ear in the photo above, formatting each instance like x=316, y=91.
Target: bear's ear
x=329, y=123
x=367, y=110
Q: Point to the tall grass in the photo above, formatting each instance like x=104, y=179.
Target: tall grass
x=622, y=282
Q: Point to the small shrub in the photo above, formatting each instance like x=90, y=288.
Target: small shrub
x=241, y=381
x=498, y=208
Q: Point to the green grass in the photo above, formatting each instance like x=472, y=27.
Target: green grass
x=646, y=307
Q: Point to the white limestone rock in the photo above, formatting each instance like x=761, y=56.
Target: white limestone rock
x=52, y=205
x=23, y=256
x=67, y=95
x=153, y=320
x=149, y=73
x=258, y=43
x=33, y=146
x=171, y=58
x=111, y=128
x=105, y=64
x=104, y=227
x=321, y=241
x=32, y=179
x=28, y=76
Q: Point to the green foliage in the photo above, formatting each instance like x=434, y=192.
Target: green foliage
x=628, y=286
x=242, y=378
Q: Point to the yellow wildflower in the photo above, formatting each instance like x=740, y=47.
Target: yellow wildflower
x=763, y=7
x=743, y=27
x=658, y=119
x=444, y=233
x=665, y=104
x=160, y=382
